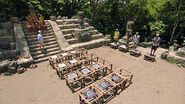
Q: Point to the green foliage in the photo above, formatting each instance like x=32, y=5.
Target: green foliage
x=149, y=16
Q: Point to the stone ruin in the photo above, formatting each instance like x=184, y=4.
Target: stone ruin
x=175, y=55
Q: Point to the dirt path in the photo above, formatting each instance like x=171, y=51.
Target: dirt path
x=153, y=83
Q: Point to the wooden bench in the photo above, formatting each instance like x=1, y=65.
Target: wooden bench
x=127, y=74
x=148, y=57
x=136, y=53
x=90, y=95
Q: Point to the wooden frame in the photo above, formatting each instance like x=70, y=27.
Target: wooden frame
x=123, y=48
x=107, y=87
x=88, y=73
x=64, y=69
x=95, y=98
x=136, y=53
x=148, y=57
x=74, y=78
x=127, y=74
x=118, y=80
x=114, y=45
x=53, y=60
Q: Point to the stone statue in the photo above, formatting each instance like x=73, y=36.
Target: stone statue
x=129, y=26
x=81, y=17
x=31, y=10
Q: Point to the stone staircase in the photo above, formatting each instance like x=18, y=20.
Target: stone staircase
x=67, y=26
x=50, y=43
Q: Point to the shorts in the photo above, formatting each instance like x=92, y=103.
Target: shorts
x=134, y=44
x=154, y=47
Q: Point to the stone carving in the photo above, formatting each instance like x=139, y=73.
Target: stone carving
x=129, y=26
x=83, y=35
x=31, y=10
x=59, y=18
x=181, y=52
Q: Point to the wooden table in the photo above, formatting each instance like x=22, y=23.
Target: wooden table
x=62, y=69
x=53, y=60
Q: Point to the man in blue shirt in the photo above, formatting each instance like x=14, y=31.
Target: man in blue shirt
x=40, y=39
x=135, y=40
x=155, y=44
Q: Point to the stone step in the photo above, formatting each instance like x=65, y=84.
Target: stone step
x=75, y=40
x=46, y=47
x=68, y=36
x=45, y=41
x=68, y=21
x=39, y=53
x=44, y=35
x=68, y=31
x=46, y=38
x=94, y=32
x=37, y=45
x=45, y=57
x=91, y=44
x=69, y=26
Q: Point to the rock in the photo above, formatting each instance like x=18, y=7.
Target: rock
x=59, y=18
x=32, y=66
x=12, y=66
x=181, y=52
x=21, y=70
x=145, y=44
x=164, y=55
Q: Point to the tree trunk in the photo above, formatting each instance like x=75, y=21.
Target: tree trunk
x=175, y=24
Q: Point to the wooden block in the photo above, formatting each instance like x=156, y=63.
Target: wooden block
x=123, y=48
x=148, y=57
x=136, y=53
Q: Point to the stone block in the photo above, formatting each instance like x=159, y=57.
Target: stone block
x=181, y=52
x=164, y=55
x=52, y=18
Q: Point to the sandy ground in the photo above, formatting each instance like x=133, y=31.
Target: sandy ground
x=153, y=83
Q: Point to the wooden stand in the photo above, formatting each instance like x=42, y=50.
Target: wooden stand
x=123, y=48
x=62, y=69
x=128, y=75
x=148, y=57
x=107, y=87
x=118, y=80
x=74, y=80
x=90, y=95
x=136, y=53
x=53, y=60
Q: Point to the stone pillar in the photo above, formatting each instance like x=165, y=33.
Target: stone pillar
x=128, y=32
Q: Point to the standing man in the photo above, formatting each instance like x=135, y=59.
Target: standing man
x=136, y=38
x=129, y=35
x=155, y=44
x=40, y=39
x=116, y=35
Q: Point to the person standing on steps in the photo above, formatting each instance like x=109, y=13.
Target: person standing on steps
x=116, y=35
x=155, y=44
x=40, y=40
x=136, y=38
